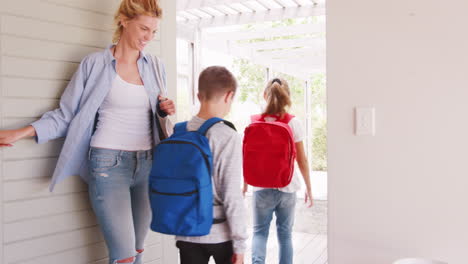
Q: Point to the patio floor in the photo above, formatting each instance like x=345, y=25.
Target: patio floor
x=308, y=249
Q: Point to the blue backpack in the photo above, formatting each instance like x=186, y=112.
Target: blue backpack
x=181, y=193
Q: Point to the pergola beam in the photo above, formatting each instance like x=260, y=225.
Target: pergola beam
x=293, y=68
x=317, y=43
x=302, y=68
x=194, y=4
x=267, y=33
x=301, y=57
x=290, y=53
x=186, y=33
x=279, y=3
x=261, y=16
x=312, y=62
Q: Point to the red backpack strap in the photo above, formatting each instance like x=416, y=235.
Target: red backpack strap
x=286, y=118
x=254, y=118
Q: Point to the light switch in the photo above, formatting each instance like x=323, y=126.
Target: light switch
x=365, y=121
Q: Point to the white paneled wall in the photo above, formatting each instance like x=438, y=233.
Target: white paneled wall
x=403, y=192
x=41, y=45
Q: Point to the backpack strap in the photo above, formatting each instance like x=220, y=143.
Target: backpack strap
x=255, y=118
x=286, y=118
x=180, y=127
x=211, y=122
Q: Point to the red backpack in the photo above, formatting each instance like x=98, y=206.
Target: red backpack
x=269, y=152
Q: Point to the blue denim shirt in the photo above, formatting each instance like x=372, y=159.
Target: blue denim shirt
x=76, y=116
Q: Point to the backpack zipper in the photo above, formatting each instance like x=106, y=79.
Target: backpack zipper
x=175, y=194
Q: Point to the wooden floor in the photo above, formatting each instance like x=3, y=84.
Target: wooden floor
x=308, y=249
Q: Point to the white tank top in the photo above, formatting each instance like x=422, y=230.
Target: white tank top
x=124, y=121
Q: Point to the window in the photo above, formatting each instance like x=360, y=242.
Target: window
x=185, y=82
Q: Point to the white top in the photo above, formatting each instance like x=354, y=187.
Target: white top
x=124, y=120
x=298, y=135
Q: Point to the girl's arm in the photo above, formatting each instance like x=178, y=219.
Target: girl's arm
x=245, y=188
x=304, y=168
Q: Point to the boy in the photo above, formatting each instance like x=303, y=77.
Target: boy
x=226, y=240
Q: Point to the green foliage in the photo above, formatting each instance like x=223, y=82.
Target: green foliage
x=251, y=80
x=319, y=146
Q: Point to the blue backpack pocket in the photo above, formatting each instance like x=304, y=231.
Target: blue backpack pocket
x=180, y=219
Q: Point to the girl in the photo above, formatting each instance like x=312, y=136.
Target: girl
x=280, y=201
x=107, y=114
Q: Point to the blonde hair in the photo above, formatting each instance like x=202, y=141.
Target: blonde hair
x=130, y=9
x=277, y=96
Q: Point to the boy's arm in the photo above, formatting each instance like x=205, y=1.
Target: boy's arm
x=230, y=172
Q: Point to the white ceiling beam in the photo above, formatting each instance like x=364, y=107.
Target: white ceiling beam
x=266, y=32
x=213, y=11
x=262, y=5
x=309, y=62
x=297, y=2
x=279, y=3
x=205, y=12
x=319, y=43
x=246, y=6
x=236, y=7
x=292, y=68
x=194, y=4
x=304, y=60
x=186, y=33
x=196, y=13
x=315, y=54
x=270, y=4
x=301, y=68
x=226, y=10
x=189, y=16
x=263, y=16
x=291, y=53
x=306, y=63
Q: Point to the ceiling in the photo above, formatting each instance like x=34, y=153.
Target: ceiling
x=250, y=30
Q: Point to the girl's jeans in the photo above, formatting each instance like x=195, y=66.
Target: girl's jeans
x=265, y=202
x=118, y=190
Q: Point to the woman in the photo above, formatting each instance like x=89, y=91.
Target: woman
x=107, y=114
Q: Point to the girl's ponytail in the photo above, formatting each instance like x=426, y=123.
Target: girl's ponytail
x=278, y=97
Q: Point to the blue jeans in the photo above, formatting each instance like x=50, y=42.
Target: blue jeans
x=118, y=190
x=265, y=202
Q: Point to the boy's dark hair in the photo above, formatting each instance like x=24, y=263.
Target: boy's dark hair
x=215, y=81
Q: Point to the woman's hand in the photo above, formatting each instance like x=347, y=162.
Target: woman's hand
x=166, y=105
x=8, y=137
